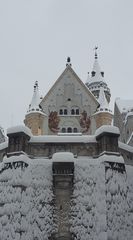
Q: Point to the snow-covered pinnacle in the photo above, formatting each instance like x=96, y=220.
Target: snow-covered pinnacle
x=34, y=106
x=96, y=66
x=96, y=75
x=104, y=106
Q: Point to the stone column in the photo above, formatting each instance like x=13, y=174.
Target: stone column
x=63, y=188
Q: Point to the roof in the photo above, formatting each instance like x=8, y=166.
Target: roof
x=124, y=105
x=34, y=105
x=98, y=76
x=18, y=129
x=69, y=68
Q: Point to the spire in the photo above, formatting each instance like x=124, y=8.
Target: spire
x=96, y=71
x=68, y=62
x=34, y=106
x=104, y=106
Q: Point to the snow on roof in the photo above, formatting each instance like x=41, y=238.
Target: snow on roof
x=111, y=158
x=129, y=114
x=20, y=158
x=3, y=145
x=34, y=105
x=125, y=147
x=102, y=99
x=63, y=139
x=108, y=129
x=63, y=157
x=124, y=105
x=130, y=138
x=19, y=128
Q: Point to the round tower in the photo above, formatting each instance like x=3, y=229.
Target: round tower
x=104, y=115
x=35, y=118
x=96, y=80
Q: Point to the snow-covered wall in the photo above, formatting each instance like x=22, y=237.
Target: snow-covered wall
x=25, y=201
x=101, y=202
x=102, y=205
x=89, y=204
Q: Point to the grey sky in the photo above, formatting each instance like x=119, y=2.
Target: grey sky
x=36, y=36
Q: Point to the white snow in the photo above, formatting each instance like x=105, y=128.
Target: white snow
x=34, y=105
x=64, y=139
x=111, y=158
x=19, y=128
x=3, y=145
x=63, y=157
x=25, y=201
x=108, y=129
x=101, y=205
x=89, y=203
x=125, y=147
x=124, y=105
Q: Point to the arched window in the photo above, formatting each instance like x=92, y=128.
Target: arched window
x=69, y=129
x=65, y=111
x=75, y=130
x=77, y=111
x=63, y=130
x=73, y=112
x=61, y=112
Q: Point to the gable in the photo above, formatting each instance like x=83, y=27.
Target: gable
x=69, y=91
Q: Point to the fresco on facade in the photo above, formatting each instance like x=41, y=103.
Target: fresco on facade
x=53, y=121
x=85, y=122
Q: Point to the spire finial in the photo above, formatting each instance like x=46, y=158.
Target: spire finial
x=68, y=62
x=35, y=85
x=95, y=49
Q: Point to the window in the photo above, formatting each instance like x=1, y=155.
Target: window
x=75, y=130
x=69, y=130
x=73, y=112
x=65, y=111
x=61, y=112
x=63, y=130
x=77, y=111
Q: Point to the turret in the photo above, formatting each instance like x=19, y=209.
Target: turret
x=96, y=80
x=35, y=118
x=104, y=115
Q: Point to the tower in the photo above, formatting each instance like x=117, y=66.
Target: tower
x=104, y=115
x=35, y=118
x=96, y=80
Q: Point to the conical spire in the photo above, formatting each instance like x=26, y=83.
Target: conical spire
x=96, y=74
x=34, y=106
x=96, y=71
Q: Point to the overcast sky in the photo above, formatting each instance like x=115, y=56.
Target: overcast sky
x=36, y=36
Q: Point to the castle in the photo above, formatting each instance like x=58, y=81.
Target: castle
x=68, y=171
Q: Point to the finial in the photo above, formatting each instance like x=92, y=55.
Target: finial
x=68, y=62
x=95, y=49
x=35, y=85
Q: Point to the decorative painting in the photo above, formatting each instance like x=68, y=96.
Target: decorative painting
x=85, y=122
x=53, y=122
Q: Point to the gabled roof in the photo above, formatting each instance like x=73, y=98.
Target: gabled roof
x=69, y=68
x=124, y=105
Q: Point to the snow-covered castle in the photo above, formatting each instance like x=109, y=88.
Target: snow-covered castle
x=67, y=174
